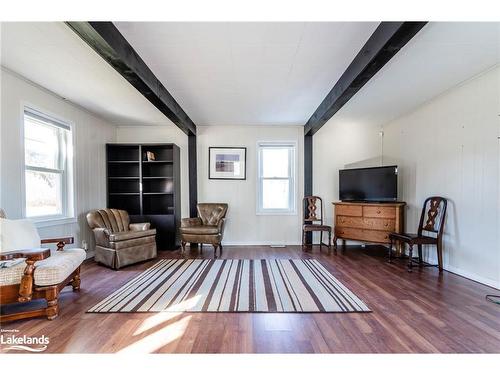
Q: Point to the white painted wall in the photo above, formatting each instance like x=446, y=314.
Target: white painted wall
x=336, y=146
x=91, y=134
x=450, y=147
x=244, y=226
x=168, y=133
x=446, y=147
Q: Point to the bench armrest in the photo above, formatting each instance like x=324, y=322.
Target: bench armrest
x=30, y=254
x=60, y=242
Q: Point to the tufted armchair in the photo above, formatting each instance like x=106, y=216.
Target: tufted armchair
x=208, y=227
x=119, y=243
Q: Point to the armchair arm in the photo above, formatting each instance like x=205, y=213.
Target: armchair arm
x=101, y=236
x=139, y=226
x=220, y=225
x=60, y=242
x=191, y=222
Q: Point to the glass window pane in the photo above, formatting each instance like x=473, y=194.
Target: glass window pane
x=43, y=193
x=275, y=194
x=275, y=162
x=41, y=144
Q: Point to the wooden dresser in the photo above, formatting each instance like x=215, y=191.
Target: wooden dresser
x=367, y=222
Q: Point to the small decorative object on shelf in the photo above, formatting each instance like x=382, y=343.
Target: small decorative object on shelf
x=150, y=156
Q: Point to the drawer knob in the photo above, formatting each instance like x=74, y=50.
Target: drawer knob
x=386, y=224
x=378, y=211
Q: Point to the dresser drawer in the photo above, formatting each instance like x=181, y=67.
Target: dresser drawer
x=366, y=223
x=348, y=210
x=362, y=234
x=378, y=211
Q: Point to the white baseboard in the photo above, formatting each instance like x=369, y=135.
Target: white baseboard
x=468, y=275
x=489, y=282
x=259, y=243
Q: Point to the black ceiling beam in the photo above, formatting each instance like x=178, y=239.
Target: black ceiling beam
x=108, y=42
x=383, y=44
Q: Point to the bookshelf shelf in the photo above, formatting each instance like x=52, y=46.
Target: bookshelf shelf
x=159, y=200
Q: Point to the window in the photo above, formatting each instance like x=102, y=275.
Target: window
x=47, y=163
x=276, y=178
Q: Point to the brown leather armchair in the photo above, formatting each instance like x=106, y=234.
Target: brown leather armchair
x=119, y=243
x=208, y=227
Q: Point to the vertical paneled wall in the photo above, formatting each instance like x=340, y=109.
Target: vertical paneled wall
x=91, y=135
x=448, y=146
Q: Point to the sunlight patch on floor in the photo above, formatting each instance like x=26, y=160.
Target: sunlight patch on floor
x=167, y=314
x=158, y=339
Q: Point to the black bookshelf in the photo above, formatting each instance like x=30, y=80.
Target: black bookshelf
x=149, y=190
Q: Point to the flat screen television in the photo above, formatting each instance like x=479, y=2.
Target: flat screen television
x=378, y=184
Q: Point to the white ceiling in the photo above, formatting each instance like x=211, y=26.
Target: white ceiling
x=53, y=56
x=249, y=73
x=441, y=56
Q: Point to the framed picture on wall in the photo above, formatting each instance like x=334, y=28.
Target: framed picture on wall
x=227, y=163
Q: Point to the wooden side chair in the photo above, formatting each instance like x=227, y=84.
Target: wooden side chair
x=313, y=221
x=432, y=221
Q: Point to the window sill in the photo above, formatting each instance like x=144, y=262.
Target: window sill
x=49, y=222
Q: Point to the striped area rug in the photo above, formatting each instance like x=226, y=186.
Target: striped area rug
x=233, y=285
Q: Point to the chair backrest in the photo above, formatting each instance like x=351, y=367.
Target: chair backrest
x=211, y=213
x=313, y=209
x=109, y=218
x=433, y=215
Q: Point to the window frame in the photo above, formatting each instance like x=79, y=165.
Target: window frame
x=66, y=166
x=292, y=165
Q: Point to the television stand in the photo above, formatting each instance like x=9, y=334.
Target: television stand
x=367, y=222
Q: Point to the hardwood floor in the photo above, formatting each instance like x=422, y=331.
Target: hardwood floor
x=421, y=312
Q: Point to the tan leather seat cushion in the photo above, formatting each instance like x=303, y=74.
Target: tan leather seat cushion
x=51, y=271
x=123, y=236
x=201, y=229
x=143, y=241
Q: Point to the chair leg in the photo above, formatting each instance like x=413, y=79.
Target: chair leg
x=335, y=244
x=215, y=249
x=52, y=309
x=183, y=246
x=320, y=240
x=329, y=242
x=440, y=254
x=306, y=246
x=75, y=283
x=410, y=259
x=390, y=251
x=420, y=259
